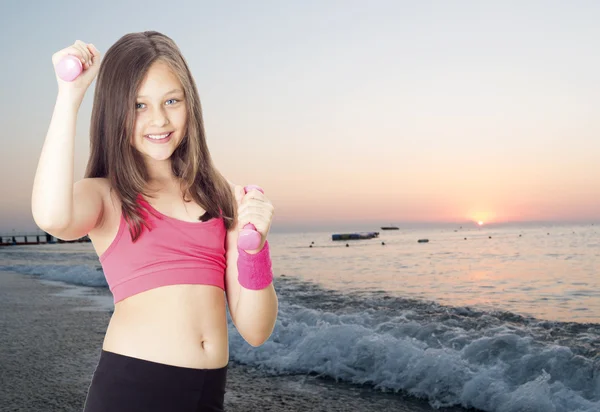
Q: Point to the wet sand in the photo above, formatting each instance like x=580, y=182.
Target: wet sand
x=51, y=338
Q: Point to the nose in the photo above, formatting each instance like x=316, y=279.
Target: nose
x=159, y=118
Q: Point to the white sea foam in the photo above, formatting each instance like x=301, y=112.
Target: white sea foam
x=492, y=368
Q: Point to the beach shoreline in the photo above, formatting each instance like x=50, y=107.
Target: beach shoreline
x=54, y=340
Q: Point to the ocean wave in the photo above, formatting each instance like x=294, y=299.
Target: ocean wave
x=492, y=361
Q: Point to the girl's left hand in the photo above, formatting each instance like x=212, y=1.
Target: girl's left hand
x=254, y=207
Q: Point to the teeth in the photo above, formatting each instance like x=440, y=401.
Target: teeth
x=158, y=136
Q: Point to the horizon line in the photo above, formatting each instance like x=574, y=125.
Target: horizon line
x=328, y=224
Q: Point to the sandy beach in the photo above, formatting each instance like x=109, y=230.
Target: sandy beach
x=51, y=342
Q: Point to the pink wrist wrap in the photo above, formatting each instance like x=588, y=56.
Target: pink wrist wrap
x=255, y=271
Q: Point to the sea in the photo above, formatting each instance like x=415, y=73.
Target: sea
x=493, y=318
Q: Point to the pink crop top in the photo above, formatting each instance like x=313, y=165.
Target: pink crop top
x=173, y=252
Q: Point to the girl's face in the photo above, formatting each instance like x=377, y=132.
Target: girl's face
x=161, y=116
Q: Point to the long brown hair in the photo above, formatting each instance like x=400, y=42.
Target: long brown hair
x=121, y=73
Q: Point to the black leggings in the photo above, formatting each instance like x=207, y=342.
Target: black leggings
x=122, y=383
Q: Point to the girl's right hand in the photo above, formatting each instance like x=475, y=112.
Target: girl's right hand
x=89, y=57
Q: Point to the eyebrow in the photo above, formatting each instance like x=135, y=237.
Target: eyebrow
x=169, y=92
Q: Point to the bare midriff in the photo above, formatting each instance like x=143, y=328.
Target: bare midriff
x=179, y=325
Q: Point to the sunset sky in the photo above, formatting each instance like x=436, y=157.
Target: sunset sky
x=349, y=113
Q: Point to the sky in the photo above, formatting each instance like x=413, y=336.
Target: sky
x=350, y=114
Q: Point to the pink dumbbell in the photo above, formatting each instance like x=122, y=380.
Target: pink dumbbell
x=69, y=67
x=249, y=238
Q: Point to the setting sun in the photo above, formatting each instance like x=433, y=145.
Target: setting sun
x=481, y=215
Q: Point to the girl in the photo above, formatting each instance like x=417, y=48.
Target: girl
x=164, y=223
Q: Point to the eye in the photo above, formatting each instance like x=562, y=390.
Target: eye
x=137, y=105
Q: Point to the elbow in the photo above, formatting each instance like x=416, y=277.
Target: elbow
x=257, y=339
x=49, y=225
x=256, y=330
x=57, y=228
x=45, y=221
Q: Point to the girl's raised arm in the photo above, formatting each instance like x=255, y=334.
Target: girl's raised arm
x=61, y=208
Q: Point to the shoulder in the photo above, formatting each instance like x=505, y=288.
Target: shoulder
x=233, y=228
x=235, y=190
x=231, y=185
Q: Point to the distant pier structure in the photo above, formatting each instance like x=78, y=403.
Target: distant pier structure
x=14, y=239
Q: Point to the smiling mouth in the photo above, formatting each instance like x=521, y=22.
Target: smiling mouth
x=159, y=138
